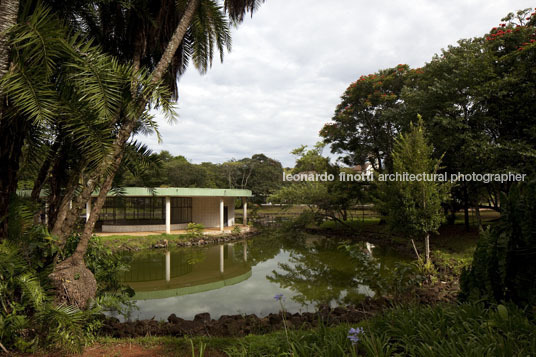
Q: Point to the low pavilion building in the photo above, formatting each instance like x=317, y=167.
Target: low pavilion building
x=141, y=209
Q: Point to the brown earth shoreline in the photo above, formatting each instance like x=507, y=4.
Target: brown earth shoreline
x=241, y=325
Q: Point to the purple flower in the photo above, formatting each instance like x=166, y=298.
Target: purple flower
x=353, y=334
x=278, y=297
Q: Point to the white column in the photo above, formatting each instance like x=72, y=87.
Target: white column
x=245, y=251
x=88, y=209
x=245, y=214
x=168, y=215
x=168, y=265
x=221, y=259
x=221, y=214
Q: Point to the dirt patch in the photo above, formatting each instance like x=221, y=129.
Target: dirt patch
x=123, y=349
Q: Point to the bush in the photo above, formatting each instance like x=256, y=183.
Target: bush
x=107, y=267
x=305, y=219
x=503, y=266
x=450, y=330
x=195, y=229
x=236, y=230
x=441, y=330
x=29, y=319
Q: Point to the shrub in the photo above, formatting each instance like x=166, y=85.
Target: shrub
x=441, y=330
x=107, y=267
x=503, y=266
x=195, y=229
x=305, y=219
x=29, y=319
x=236, y=230
x=450, y=330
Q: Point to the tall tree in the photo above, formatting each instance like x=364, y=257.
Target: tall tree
x=206, y=22
x=10, y=142
x=183, y=30
x=367, y=119
x=324, y=198
x=413, y=206
x=503, y=266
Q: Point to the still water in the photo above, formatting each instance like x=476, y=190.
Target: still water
x=243, y=277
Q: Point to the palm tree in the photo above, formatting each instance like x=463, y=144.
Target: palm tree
x=159, y=44
x=10, y=148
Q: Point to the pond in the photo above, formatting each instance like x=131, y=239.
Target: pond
x=243, y=277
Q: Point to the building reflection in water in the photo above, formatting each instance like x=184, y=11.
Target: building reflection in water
x=176, y=272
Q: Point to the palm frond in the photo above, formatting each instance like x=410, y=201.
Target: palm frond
x=238, y=9
x=210, y=31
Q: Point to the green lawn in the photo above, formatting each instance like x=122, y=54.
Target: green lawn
x=130, y=242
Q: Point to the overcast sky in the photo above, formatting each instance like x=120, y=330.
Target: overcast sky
x=292, y=61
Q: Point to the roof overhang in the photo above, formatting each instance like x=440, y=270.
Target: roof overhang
x=164, y=192
x=177, y=192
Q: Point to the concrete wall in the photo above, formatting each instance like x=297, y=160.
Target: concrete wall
x=206, y=211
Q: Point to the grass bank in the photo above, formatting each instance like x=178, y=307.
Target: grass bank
x=441, y=330
x=130, y=242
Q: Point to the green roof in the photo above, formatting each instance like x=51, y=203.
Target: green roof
x=179, y=191
x=187, y=290
x=165, y=191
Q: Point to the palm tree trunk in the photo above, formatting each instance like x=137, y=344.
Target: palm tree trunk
x=79, y=291
x=12, y=135
x=66, y=218
x=10, y=146
x=9, y=10
x=175, y=41
x=96, y=207
x=126, y=131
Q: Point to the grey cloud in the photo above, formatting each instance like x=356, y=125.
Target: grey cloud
x=291, y=62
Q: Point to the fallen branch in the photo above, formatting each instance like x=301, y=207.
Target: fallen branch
x=4, y=349
x=416, y=251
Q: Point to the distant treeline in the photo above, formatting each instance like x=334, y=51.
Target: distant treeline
x=259, y=173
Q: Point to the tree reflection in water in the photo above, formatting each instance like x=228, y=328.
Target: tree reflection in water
x=321, y=271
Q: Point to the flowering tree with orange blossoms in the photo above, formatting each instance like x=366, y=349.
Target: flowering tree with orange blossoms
x=366, y=121
x=477, y=100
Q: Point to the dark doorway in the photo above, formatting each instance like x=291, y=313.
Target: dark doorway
x=225, y=216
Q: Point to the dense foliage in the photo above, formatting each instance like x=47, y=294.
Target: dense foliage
x=450, y=330
x=442, y=330
x=324, y=197
x=260, y=174
x=476, y=98
x=413, y=206
x=29, y=316
x=503, y=267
